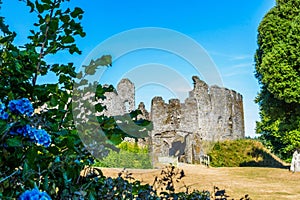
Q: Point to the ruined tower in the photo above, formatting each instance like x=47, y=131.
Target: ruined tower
x=122, y=100
x=208, y=114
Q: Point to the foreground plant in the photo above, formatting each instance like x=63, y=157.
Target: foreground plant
x=41, y=148
x=13, y=120
x=34, y=194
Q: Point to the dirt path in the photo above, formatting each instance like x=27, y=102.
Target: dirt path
x=259, y=183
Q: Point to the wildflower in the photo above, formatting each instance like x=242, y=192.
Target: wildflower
x=34, y=194
x=21, y=106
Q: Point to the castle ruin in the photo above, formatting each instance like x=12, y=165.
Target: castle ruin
x=210, y=113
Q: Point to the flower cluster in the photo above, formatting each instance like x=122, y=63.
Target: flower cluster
x=34, y=194
x=24, y=107
x=21, y=106
x=40, y=136
x=3, y=114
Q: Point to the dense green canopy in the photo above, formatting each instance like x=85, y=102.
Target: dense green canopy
x=277, y=70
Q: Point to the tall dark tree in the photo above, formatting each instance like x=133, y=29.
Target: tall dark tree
x=278, y=71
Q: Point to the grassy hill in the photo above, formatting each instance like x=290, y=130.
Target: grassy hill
x=243, y=153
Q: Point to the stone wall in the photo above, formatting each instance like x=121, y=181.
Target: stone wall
x=185, y=130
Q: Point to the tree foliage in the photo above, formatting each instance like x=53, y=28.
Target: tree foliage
x=25, y=165
x=278, y=71
x=39, y=143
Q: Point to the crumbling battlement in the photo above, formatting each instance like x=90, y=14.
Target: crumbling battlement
x=210, y=113
x=122, y=100
x=215, y=113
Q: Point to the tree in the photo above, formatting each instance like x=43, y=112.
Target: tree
x=278, y=71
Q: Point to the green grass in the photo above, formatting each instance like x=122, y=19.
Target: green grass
x=242, y=153
x=129, y=156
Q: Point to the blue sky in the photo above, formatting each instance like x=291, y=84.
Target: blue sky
x=226, y=30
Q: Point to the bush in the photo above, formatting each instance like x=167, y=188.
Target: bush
x=39, y=144
x=129, y=156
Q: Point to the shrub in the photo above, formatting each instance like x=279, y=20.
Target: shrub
x=40, y=148
x=129, y=156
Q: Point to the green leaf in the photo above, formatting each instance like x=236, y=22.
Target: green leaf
x=116, y=139
x=31, y=5
x=62, y=78
x=46, y=182
x=14, y=142
x=91, y=69
x=65, y=18
x=91, y=196
x=47, y=18
x=46, y=6
x=79, y=75
x=46, y=1
x=25, y=170
x=54, y=101
x=39, y=7
x=105, y=60
x=99, y=107
x=77, y=11
x=4, y=126
x=6, y=39
x=68, y=39
x=73, y=48
x=83, y=82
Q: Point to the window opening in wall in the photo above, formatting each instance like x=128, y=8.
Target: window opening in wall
x=127, y=107
x=230, y=125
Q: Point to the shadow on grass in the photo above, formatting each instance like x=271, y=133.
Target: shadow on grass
x=263, y=159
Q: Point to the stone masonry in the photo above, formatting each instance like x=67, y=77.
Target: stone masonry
x=182, y=130
x=120, y=101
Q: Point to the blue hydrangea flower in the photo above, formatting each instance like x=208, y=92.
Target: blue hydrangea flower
x=21, y=106
x=34, y=194
x=40, y=136
x=3, y=114
x=26, y=131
